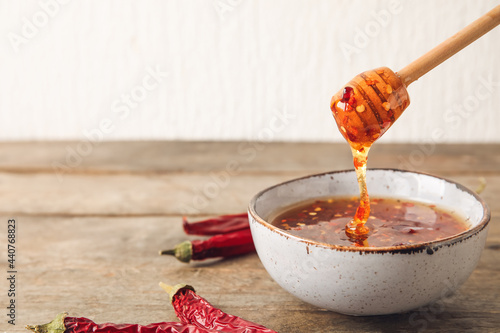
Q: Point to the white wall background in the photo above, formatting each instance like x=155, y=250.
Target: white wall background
x=233, y=66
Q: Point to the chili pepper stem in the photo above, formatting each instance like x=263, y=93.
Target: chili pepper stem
x=55, y=326
x=182, y=251
x=172, y=290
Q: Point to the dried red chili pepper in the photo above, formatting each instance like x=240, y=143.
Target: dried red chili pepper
x=64, y=324
x=226, y=245
x=219, y=225
x=194, y=309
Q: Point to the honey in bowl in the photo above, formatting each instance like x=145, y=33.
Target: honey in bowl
x=392, y=222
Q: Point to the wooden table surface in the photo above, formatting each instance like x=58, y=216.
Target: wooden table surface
x=92, y=217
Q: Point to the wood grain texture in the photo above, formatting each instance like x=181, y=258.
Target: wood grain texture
x=88, y=244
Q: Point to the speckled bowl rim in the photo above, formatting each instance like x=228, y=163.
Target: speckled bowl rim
x=430, y=247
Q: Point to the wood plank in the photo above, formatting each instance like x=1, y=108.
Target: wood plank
x=161, y=157
x=120, y=194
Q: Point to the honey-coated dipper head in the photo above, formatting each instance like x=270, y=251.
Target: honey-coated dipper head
x=368, y=105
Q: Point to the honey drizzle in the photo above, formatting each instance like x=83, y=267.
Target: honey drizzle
x=364, y=110
x=356, y=228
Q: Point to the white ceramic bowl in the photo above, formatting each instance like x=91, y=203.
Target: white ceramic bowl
x=369, y=281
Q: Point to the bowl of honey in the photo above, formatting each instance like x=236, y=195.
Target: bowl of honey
x=425, y=238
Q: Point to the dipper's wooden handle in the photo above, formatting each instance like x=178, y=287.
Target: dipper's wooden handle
x=449, y=47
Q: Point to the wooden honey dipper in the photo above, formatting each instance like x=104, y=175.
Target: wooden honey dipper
x=372, y=101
